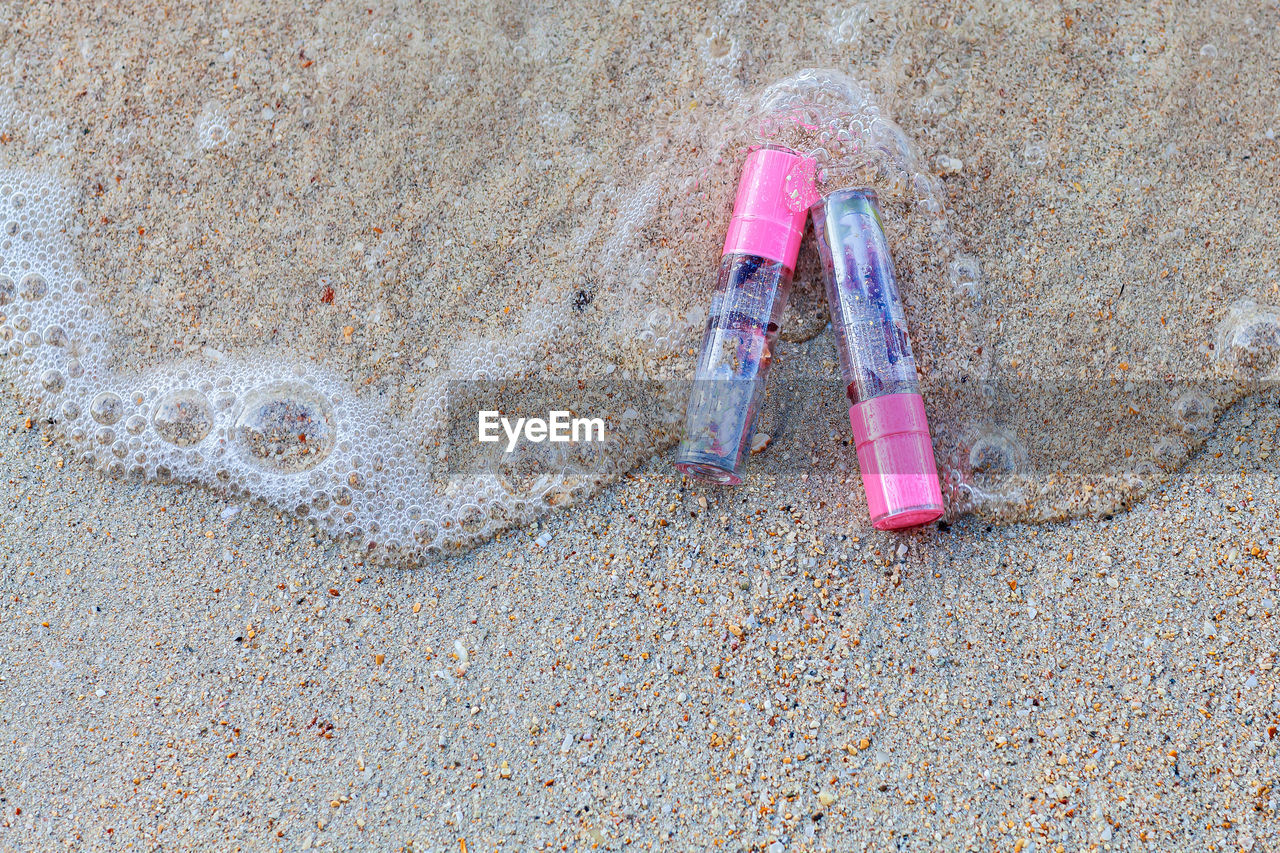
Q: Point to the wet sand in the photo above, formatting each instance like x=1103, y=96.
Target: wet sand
x=660, y=665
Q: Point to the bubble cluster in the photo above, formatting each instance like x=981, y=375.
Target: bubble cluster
x=721, y=57
x=251, y=425
x=284, y=426
x=1193, y=413
x=212, y=128
x=181, y=417
x=270, y=427
x=838, y=121
x=847, y=23
x=1247, y=345
x=986, y=472
x=1034, y=154
x=965, y=273
x=531, y=470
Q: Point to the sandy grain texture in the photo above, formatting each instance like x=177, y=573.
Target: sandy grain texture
x=663, y=666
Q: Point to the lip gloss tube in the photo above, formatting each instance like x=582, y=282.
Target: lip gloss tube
x=895, y=451
x=751, y=292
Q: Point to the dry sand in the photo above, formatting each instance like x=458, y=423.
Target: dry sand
x=661, y=665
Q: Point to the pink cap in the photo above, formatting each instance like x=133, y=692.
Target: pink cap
x=895, y=454
x=774, y=196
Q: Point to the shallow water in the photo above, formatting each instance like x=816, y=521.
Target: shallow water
x=252, y=251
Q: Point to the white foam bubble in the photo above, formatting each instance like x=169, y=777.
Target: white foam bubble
x=987, y=471
x=212, y=128
x=1247, y=345
x=282, y=431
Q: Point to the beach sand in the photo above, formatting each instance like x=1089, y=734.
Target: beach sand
x=1082, y=658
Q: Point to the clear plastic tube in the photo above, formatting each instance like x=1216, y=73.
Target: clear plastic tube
x=862, y=293
x=751, y=293
x=891, y=433
x=737, y=351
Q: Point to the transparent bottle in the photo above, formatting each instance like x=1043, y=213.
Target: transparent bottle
x=751, y=293
x=891, y=433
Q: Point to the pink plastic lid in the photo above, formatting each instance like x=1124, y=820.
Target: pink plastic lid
x=895, y=454
x=774, y=196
